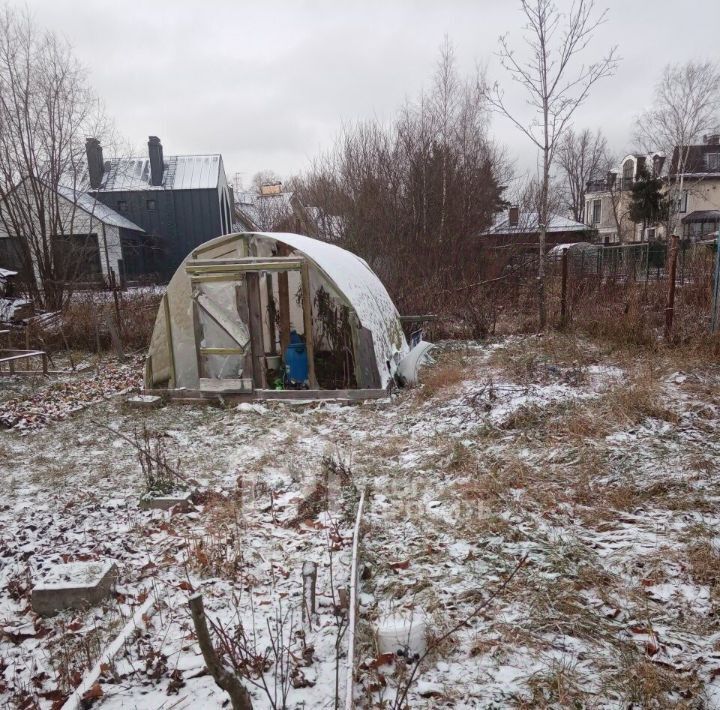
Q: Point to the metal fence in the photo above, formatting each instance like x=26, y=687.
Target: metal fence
x=633, y=262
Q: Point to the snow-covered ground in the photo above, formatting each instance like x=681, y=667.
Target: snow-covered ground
x=591, y=477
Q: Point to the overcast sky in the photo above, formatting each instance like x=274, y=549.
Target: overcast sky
x=269, y=84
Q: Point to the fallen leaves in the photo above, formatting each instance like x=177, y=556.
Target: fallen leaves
x=61, y=399
x=400, y=565
x=94, y=693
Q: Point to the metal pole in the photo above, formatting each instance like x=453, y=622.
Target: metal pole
x=563, y=293
x=715, y=322
x=352, y=613
x=670, y=303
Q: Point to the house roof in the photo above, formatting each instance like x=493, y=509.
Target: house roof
x=696, y=161
x=182, y=172
x=97, y=209
x=329, y=227
x=528, y=222
x=702, y=216
x=263, y=211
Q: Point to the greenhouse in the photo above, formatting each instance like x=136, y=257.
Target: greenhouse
x=274, y=315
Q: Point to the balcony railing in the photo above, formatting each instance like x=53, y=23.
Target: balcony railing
x=604, y=186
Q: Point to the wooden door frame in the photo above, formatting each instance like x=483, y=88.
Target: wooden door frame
x=233, y=269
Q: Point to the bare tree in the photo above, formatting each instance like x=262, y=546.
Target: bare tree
x=556, y=83
x=619, y=206
x=581, y=157
x=263, y=178
x=412, y=196
x=686, y=106
x=46, y=111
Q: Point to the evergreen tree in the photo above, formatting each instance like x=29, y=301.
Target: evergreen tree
x=647, y=203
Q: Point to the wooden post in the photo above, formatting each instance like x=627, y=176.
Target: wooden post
x=284, y=298
x=168, y=335
x=715, y=316
x=223, y=676
x=309, y=575
x=116, y=299
x=307, y=322
x=670, y=305
x=563, y=290
x=257, y=345
x=272, y=313
x=115, y=337
x=198, y=333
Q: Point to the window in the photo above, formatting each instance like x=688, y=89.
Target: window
x=628, y=170
x=122, y=206
x=150, y=204
x=713, y=162
x=650, y=233
x=596, y=211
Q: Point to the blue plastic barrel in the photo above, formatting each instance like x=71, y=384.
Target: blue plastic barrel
x=296, y=360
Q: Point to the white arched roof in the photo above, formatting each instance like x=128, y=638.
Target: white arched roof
x=353, y=281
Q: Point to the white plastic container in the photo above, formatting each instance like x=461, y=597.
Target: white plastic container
x=401, y=630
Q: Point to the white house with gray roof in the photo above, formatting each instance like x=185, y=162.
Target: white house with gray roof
x=90, y=241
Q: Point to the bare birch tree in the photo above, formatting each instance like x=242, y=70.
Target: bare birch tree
x=556, y=82
x=619, y=203
x=686, y=106
x=46, y=111
x=581, y=157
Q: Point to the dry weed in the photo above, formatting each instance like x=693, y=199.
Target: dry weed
x=440, y=379
x=641, y=683
x=704, y=561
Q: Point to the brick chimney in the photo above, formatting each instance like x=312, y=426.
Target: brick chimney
x=96, y=166
x=712, y=139
x=270, y=188
x=157, y=164
x=514, y=215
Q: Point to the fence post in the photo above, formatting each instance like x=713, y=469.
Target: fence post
x=309, y=576
x=715, y=320
x=563, y=289
x=670, y=305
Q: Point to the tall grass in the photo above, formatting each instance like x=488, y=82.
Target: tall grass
x=87, y=322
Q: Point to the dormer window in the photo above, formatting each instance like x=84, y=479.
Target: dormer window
x=628, y=170
x=657, y=165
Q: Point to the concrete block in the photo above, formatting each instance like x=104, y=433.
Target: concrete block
x=76, y=585
x=182, y=499
x=144, y=401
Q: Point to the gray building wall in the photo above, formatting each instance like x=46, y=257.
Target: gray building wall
x=181, y=220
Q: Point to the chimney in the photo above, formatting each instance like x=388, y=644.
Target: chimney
x=96, y=166
x=157, y=164
x=712, y=139
x=514, y=215
x=270, y=188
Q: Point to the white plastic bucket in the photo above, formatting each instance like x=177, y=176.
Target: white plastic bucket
x=404, y=630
